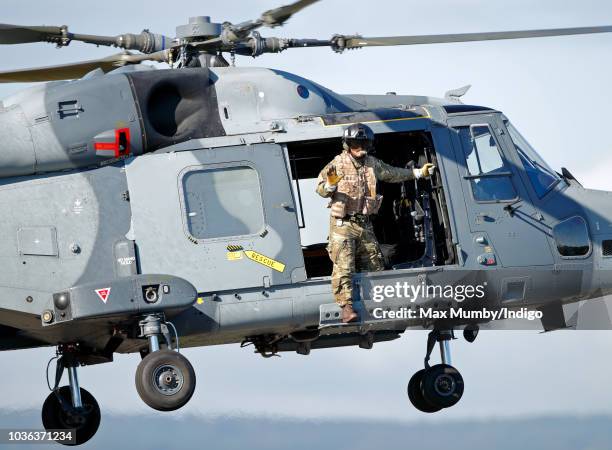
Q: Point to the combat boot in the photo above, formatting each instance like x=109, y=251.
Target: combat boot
x=348, y=314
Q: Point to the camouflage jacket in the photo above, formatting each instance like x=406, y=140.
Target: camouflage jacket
x=356, y=192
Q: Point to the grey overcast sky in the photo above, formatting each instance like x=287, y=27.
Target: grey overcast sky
x=556, y=91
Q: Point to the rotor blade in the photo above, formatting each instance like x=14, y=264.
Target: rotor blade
x=145, y=42
x=19, y=34
x=339, y=43
x=76, y=70
x=278, y=16
x=272, y=18
x=358, y=42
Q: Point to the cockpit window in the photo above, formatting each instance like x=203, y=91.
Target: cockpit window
x=486, y=159
x=541, y=176
x=487, y=172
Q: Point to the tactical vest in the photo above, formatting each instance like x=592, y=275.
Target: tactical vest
x=356, y=192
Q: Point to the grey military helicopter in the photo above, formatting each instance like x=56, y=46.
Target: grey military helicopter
x=144, y=211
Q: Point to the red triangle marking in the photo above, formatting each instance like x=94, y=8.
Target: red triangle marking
x=103, y=293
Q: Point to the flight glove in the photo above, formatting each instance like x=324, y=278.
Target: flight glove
x=424, y=172
x=332, y=180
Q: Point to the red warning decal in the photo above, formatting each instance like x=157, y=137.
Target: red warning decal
x=103, y=293
x=120, y=146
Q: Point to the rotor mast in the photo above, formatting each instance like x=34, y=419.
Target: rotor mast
x=199, y=28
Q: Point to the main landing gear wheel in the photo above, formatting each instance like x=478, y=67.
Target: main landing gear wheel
x=165, y=380
x=415, y=394
x=442, y=386
x=436, y=387
x=61, y=415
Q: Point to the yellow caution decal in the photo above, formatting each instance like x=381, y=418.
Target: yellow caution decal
x=234, y=252
x=264, y=260
x=234, y=256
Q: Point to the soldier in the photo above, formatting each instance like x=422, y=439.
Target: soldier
x=350, y=183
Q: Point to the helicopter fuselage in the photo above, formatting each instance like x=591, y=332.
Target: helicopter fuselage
x=189, y=193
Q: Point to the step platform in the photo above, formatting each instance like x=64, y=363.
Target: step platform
x=330, y=316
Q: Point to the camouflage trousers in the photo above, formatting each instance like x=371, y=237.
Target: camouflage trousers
x=352, y=248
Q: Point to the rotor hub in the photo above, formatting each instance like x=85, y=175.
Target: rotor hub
x=199, y=27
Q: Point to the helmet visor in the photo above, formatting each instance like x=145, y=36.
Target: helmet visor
x=364, y=144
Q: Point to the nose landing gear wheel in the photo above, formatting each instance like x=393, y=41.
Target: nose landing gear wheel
x=60, y=415
x=415, y=394
x=165, y=380
x=442, y=385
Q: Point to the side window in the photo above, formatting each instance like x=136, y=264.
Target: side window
x=223, y=202
x=488, y=174
x=572, y=237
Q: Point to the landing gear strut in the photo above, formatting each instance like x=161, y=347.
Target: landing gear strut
x=165, y=379
x=440, y=386
x=70, y=407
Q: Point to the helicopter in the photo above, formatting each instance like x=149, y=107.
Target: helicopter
x=151, y=210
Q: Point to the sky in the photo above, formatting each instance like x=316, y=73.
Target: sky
x=555, y=90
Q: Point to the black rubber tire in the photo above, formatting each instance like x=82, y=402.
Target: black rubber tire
x=86, y=423
x=148, y=375
x=415, y=394
x=442, y=385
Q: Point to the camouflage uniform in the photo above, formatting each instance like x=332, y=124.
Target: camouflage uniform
x=352, y=244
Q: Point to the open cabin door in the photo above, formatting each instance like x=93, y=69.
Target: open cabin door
x=501, y=215
x=220, y=218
